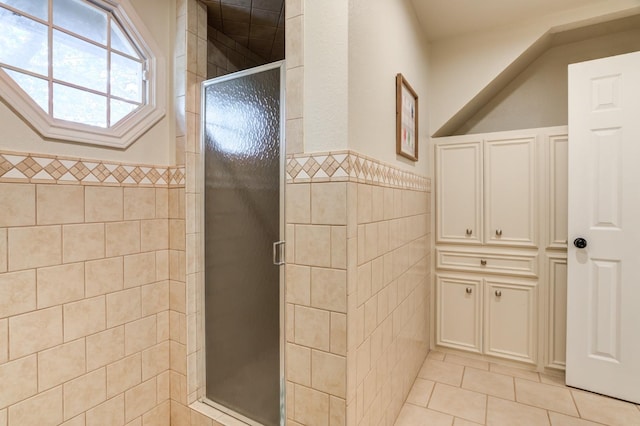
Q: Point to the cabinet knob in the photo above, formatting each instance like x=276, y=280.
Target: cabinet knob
x=483, y=262
x=469, y=231
x=469, y=290
x=499, y=232
x=498, y=293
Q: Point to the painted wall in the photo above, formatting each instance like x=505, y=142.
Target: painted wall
x=539, y=96
x=385, y=39
x=154, y=147
x=461, y=67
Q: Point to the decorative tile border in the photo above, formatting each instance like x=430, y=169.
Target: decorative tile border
x=37, y=168
x=340, y=166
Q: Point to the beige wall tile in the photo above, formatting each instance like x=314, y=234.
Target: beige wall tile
x=104, y=276
x=298, y=364
x=154, y=234
x=177, y=236
x=19, y=380
x=364, y=203
x=84, y=393
x=122, y=238
x=329, y=289
x=18, y=203
x=298, y=281
x=45, y=409
x=139, y=269
x=155, y=298
x=329, y=203
x=139, y=335
x=162, y=265
x=155, y=360
x=160, y=416
x=3, y=250
x=177, y=265
x=139, y=203
x=110, y=412
x=298, y=203
x=60, y=284
x=123, y=375
x=45, y=323
x=163, y=385
x=82, y=242
x=17, y=293
x=337, y=411
x=76, y=421
x=338, y=344
x=312, y=327
x=33, y=247
x=177, y=296
x=60, y=364
x=103, y=204
x=140, y=399
x=84, y=318
x=4, y=340
x=176, y=203
x=162, y=203
x=339, y=247
x=162, y=325
x=329, y=373
x=313, y=245
x=105, y=347
x=178, y=357
x=311, y=406
x=294, y=95
x=123, y=307
x=57, y=204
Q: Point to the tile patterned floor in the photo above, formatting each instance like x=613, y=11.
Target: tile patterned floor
x=454, y=390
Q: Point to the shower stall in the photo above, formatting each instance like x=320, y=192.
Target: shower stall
x=243, y=168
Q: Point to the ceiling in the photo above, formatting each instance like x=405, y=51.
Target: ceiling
x=256, y=24
x=448, y=18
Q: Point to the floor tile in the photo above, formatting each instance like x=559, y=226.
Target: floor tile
x=412, y=415
x=458, y=402
x=515, y=372
x=548, y=397
x=462, y=422
x=420, y=392
x=558, y=419
x=552, y=380
x=442, y=372
x=506, y=413
x=490, y=383
x=468, y=362
x=606, y=410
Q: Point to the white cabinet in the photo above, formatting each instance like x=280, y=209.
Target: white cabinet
x=500, y=243
x=487, y=315
x=486, y=191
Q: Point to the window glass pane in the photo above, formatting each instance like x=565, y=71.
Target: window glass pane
x=79, y=106
x=37, y=88
x=126, y=78
x=23, y=42
x=120, y=42
x=81, y=18
x=37, y=8
x=120, y=109
x=78, y=62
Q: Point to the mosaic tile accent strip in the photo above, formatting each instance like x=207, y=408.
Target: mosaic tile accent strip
x=36, y=168
x=341, y=166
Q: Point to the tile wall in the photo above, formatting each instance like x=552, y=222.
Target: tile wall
x=85, y=291
x=356, y=288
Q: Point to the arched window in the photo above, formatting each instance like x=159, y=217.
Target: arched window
x=79, y=70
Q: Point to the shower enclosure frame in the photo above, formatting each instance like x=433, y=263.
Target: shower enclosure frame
x=280, y=254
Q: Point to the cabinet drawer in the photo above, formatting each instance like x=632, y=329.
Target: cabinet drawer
x=521, y=265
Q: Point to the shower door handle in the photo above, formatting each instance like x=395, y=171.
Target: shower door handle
x=278, y=253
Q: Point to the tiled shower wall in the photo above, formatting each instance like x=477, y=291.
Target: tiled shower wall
x=84, y=292
x=356, y=288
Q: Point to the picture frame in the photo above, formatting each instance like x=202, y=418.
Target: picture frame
x=406, y=119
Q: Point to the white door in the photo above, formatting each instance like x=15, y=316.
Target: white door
x=603, y=306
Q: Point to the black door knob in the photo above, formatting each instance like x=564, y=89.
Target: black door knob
x=580, y=243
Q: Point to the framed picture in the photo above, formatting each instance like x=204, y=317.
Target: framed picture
x=406, y=119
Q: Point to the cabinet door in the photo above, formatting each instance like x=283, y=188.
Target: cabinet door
x=558, y=160
x=459, y=312
x=459, y=192
x=557, y=336
x=510, y=319
x=510, y=192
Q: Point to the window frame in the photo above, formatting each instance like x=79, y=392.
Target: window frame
x=126, y=131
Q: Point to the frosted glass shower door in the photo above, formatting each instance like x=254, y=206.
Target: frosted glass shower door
x=242, y=116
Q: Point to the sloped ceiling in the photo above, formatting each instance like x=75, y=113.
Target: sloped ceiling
x=256, y=24
x=442, y=19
